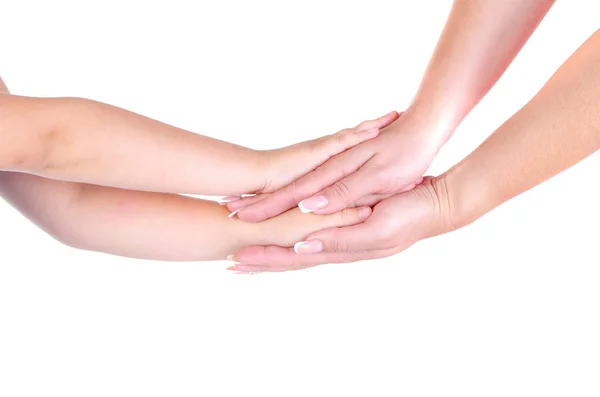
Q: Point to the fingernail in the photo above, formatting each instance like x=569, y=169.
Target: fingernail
x=228, y=199
x=232, y=267
x=364, y=213
x=313, y=204
x=234, y=213
x=308, y=247
x=232, y=258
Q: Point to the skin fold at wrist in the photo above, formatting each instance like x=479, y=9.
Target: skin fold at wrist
x=468, y=194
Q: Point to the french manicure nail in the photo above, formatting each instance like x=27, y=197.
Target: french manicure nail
x=313, y=204
x=234, y=213
x=308, y=247
x=228, y=199
x=232, y=258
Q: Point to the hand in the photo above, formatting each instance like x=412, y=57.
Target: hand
x=280, y=167
x=395, y=224
x=393, y=162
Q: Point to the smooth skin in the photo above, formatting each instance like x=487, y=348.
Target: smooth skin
x=76, y=140
x=480, y=40
x=559, y=127
x=80, y=140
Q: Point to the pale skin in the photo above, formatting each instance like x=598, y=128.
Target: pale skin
x=559, y=127
x=478, y=43
x=51, y=146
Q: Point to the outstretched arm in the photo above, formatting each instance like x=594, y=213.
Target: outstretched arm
x=151, y=225
x=479, y=41
x=81, y=140
x=148, y=225
x=559, y=127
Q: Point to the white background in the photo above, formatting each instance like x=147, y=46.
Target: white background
x=506, y=306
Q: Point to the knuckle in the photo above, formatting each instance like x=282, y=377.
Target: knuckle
x=338, y=246
x=263, y=212
x=348, y=215
x=364, y=125
x=294, y=193
x=341, y=190
x=342, y=138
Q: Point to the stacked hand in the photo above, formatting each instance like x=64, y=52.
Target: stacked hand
x=385, y=172
x=395, y=224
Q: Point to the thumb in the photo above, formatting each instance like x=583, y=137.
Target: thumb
x=347, y=239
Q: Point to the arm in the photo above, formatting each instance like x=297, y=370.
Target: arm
x=81, y=140
x=148, y=225
x=559, y=127
x=162, y=226
x=479, y=41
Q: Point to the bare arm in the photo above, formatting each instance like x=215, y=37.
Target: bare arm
x=559, y=127
x=81, y=140
x=479, y=41
x=157, y=226
x=148, y=225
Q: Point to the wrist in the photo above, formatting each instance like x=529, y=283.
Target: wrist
x=435, y=125
x=468, y=195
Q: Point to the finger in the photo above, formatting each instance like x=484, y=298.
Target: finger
x=236, y=205
x=380, y=122
x=371, y=200
x=349, y=192
x=274, y=258
x=356, y=238
x=287, y=260
x=342, y=194
x=288, y=197
x=350, y=137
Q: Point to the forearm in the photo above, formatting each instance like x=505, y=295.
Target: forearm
x=559, y=127
x=127, y=223
x=86, y=141
x=479, y=41
x=149, y=225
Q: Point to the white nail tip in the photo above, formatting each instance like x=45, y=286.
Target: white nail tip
x=298, y=245
x=303, y=209
x=233, y=214
x=228, y=199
